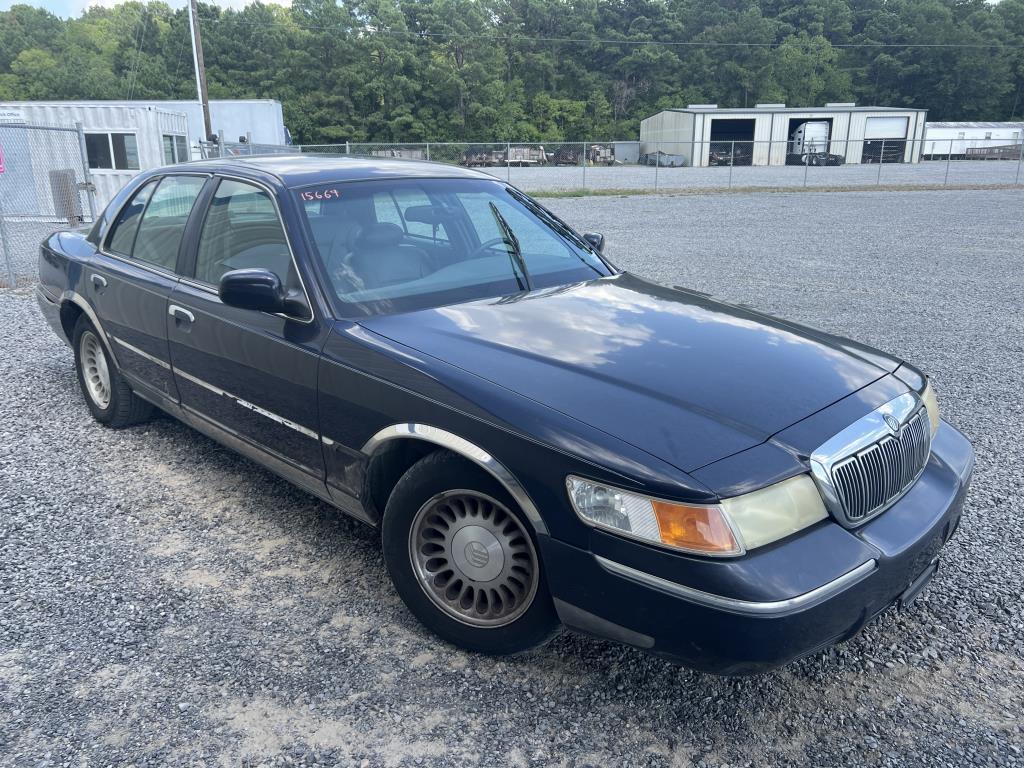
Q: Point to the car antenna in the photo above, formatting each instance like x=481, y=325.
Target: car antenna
x=515, y=252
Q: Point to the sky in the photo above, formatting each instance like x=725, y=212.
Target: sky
x=66, y=8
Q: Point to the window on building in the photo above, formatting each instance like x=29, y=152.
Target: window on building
x=961, y=135
x=988, y=135
x=114, y=151
x=175, y=149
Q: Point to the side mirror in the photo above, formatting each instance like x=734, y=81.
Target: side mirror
x=255, y=288
x=596, y=240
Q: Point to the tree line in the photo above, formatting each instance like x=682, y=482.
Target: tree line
x=527, y=70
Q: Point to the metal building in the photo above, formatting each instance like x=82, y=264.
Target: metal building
x=704, y=134
x=978, y=140
x=118, y=139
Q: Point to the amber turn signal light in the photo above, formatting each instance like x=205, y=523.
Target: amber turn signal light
x=698, y=529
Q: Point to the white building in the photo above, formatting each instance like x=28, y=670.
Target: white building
x=762, y=135
x=122, y=138
x=944, y=139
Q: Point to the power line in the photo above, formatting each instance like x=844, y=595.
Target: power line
x=596, y=41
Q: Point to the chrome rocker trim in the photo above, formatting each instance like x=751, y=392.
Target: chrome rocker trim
x=249, y=406
x=747, y=607
x=468, y=450
x=140, y=353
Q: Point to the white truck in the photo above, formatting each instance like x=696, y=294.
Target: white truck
x=809, y=145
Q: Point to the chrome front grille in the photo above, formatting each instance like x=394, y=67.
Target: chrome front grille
x=873, y=477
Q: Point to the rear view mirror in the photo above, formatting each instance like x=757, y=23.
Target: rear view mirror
x=255, y=288
x=596, y=241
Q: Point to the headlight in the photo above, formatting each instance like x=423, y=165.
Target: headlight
x=931, y=405
x=730, y=527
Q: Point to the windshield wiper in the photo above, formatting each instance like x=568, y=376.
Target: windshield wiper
x=515, y=253
x=560, y=227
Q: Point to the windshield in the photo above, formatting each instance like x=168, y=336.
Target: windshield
x=405, y=244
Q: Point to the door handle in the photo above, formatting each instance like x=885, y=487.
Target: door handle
x=98, y=281
x=180, y=313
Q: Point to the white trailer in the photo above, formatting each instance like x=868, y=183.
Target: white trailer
x=957, y=140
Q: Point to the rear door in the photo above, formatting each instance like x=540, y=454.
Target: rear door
x=129, y=282
x=251, y=373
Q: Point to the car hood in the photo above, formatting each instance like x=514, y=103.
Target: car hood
x=679, y=375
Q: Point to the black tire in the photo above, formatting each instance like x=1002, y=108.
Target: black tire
x=443, y=473
x=122, y=407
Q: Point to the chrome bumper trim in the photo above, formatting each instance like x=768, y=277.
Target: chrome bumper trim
x=772, y=608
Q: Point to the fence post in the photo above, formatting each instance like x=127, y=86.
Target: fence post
x=5, y=247
x=657, y=163
x=732, y=161
x=584, y=166
x=428, y=151
x=90, y=191
x=508, y=162
x=949, y=156
x=881, y=159
x=1020, y=159
x=807, y=162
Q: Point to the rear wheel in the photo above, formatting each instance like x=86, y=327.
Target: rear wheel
x=108, y=396
x=463, y=559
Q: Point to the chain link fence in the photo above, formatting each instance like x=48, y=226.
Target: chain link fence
x=632, y=166
x=645, y=166
x=44, y=186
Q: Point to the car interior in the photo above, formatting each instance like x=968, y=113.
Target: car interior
x=387, y=244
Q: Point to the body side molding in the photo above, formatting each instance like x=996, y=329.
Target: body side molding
x=466, y=449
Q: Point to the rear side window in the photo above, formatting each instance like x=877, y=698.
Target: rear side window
x=163, y=223
x=242, y=230
x=122, y=234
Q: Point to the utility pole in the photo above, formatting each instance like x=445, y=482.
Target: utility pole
x=197, y=59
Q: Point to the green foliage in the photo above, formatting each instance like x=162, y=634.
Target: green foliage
x=522, y=70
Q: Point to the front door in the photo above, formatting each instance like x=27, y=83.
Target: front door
x=251, y=373
x=131, y=278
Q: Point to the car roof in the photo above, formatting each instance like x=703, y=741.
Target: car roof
x=297, y=170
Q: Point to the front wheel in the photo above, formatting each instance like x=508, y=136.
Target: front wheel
x=108, y=396
x=463, y=559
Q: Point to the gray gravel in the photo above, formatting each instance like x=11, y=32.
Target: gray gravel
x=165, y=602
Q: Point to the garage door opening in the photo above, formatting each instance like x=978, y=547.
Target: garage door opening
x=808, y=141
x=732, y=142
x=885, y=140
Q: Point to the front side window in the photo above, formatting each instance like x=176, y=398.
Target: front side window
x=163, y=223
x=122, y=232
x=242, y=230
x=400, y=245
x=112, y=151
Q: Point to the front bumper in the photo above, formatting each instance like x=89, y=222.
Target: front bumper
x=775, y=604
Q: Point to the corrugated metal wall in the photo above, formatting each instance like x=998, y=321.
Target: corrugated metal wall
x=771, y=132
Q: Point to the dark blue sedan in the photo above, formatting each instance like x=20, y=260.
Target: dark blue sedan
x=540, y=438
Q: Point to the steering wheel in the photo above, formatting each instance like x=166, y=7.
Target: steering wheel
x=487, y=245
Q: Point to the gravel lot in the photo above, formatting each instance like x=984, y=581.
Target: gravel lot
x=164, y=602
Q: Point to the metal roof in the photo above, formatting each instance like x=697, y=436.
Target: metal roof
x=770, y=110
x=974, y=124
